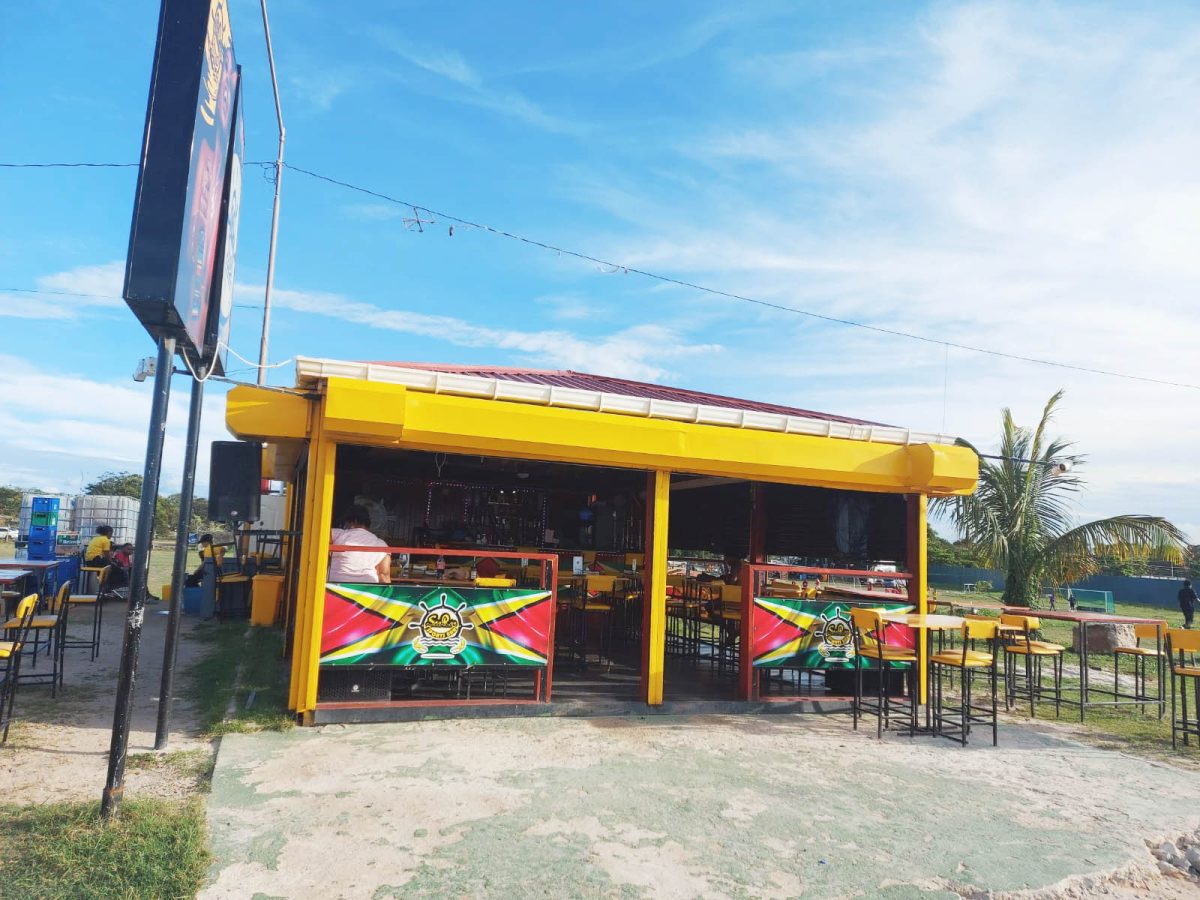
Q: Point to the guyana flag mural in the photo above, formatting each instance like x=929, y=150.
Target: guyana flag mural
x=812, y=634
x=409, y=625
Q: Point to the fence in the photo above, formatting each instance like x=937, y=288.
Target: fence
x=1141, y=591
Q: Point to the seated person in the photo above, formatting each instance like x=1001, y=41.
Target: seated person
x=207, y=550
x=362, y=566
x=99, y=554
x=99, y=548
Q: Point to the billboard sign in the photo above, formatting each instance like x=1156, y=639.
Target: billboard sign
x=216, y=339
x=790, y=633
x=173, y=242
x=419, y=625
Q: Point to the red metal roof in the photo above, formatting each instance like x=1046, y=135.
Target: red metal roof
x=584, y=381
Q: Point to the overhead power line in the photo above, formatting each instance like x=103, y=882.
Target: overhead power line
x=76, y=165
x=679, y=282
x=418, y=208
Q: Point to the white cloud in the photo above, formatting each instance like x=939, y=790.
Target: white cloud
x=467, y=85
x=79, y=291
x=54, y=422
x=1022, y=179
x=635, y=352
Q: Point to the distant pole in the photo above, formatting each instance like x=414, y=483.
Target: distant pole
x=114, y=786
x=266, y=326
x=179, y=567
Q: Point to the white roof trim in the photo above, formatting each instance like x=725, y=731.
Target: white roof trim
x=310, y=369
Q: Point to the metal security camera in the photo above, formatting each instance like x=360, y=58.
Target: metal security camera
x=145, y=369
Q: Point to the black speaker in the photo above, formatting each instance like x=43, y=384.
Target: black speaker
x=234, y=481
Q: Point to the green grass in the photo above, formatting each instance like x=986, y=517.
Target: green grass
x=210, y=682
x=1126, y=728
x=157, y=848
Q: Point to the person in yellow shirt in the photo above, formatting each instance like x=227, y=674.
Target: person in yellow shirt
x=207, y=550
x=99, y=548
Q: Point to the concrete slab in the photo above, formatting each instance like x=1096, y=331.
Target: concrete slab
x=704, y=806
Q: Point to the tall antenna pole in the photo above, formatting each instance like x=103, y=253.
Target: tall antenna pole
x=266, y=326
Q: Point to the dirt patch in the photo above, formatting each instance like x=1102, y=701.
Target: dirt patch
x=57, y=748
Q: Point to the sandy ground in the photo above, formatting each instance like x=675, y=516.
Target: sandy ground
x=58, y=748
x=706, y=806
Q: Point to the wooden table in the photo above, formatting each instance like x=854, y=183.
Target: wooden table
x=40, y=567
x=925, y=623
x=1082, y=620
x=10, y=577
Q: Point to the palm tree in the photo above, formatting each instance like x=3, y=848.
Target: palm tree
x=1020, y=516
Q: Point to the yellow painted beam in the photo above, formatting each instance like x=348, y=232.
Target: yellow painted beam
x=257, y=414
x=357, y=408
x=654, y=641
x=384, y=414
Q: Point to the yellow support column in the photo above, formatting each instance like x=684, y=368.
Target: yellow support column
x=654, y=581
x=302, y=545
x=323, y=523
x=918, y=566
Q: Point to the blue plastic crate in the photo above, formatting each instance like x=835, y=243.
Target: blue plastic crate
x=44, y=504
x=41, y=550
x=43, y=533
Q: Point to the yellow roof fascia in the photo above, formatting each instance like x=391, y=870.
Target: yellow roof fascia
x=382, y=414
x=261, y=414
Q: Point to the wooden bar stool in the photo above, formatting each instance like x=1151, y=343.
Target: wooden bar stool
x=1186, y=673
x=10, y=658
x=1141, y=655
x=1023, y=645
x=957, y=719
x=870, y=643
x=96, y=602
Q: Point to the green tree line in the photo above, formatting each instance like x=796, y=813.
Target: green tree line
x=119, y=484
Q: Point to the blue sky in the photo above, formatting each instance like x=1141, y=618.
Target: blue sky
x=1014, y=176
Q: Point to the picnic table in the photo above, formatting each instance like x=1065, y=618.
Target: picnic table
x=1084, y=619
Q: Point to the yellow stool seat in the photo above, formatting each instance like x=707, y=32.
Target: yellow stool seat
x=1137, y=651
x=732, y=615
x=83, y=598
x=6, y=648
x=597, y=607
x=1187, y=671
x=1036, y=648
x=40, y=622
x=888, y=652
x=974, y=659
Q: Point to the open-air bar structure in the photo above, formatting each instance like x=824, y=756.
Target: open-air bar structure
x=559, y=538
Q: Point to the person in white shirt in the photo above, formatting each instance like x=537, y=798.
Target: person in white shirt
x=358, y=566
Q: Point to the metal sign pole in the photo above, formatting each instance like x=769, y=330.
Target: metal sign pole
x=266, y=325
x=114, y=786
x=179, y=569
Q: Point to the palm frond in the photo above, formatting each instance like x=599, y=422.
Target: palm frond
x=1072, y=555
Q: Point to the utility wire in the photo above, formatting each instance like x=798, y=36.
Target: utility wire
x=679, y=282
x=77, y=165
x=664, y=279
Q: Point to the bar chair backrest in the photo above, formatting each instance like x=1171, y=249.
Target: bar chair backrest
x=982, y=629
x=58, y=606
x=26, y=610
x=601, y=584
x=1181, y=641
x=1145, y=631
x=868, y=624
